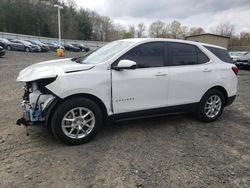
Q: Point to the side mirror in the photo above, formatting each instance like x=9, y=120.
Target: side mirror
x=125, y=64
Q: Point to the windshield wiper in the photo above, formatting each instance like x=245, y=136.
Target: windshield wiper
x=76, y=59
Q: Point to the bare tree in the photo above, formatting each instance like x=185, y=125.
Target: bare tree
x=132, y=31
x=141, y=28
x=174, y=30
x=157, y=29
x=117, y=32
x=245, y=39
x=183, y=32
x=225, y=29
x=71, y=3
x=196, y=31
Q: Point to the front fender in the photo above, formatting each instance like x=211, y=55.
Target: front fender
x=98, y=85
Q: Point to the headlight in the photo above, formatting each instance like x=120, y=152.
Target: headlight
x=40, y=85
x=44, y=82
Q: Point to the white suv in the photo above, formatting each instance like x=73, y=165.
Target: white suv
x=125, y=79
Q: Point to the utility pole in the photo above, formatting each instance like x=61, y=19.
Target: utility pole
x=59, y=22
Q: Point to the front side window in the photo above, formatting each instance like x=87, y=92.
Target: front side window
x=146, y=55
x=185, y=54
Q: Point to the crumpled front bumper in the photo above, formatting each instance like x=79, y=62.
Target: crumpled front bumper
x=34, y=115
x=25, y=119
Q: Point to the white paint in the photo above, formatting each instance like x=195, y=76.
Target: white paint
x=139, y=89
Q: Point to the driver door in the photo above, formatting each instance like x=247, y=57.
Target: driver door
x=145, y=87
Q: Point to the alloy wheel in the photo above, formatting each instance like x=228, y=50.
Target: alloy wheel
x=78, y=122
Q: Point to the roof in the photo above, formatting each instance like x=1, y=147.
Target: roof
x=207, y=34
x=144, y=40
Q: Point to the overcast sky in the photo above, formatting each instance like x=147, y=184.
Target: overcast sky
x=195, y=13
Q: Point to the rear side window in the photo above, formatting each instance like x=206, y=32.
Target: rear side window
x=185, y=54
x=146, y=55
x=222, y=54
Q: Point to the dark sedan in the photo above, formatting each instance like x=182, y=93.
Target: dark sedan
x=71, y=48
x=2, y=51
x=5, y=43
x=44, y=47
x=24, y=46
x=54, y=46
x=82, y=47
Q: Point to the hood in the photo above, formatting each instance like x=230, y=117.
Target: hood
x=243, y=58
x=50, y=69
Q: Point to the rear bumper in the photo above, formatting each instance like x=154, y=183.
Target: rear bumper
x=230, y=100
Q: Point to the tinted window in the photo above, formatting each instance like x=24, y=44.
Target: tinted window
x=185, y=54
x=202, y=58
x=146, y=55
x=222, y=54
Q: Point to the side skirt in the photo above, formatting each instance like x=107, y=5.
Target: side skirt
x=180, y=109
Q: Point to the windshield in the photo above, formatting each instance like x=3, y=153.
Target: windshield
x=105, y=53
x=38, y=42
x=26, y=43
x=247, y=55
x=234, y=53
x=4, y=40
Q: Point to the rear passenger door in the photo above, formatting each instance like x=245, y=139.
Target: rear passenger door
x=191, y=73
x=17, y=45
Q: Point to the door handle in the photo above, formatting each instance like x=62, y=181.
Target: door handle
x=161, y=74
x=207, y=70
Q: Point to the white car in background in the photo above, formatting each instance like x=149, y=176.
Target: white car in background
x=236, y=55
x=125, y=79
x=244, y=61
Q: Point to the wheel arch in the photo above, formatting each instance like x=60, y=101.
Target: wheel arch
x=221, y=89
x=49, y=112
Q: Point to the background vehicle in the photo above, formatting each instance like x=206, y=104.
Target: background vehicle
x=82, y=47
x=71, y=48
x=44, y=47
x=125, y=79
x=24, y=46
x=5, y=43
x=244, y=61
x=54, y=46
x=2, y=51
x=236, y=55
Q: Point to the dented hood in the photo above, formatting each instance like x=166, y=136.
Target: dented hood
x=50, y=69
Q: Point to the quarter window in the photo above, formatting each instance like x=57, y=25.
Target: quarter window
x=222, y=54
x=185, y=54
x=146, y=55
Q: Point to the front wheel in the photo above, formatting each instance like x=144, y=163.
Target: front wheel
x=211, y=106
x=76, y=121
x=27, y=49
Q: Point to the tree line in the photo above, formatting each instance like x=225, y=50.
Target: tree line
x=37, y=18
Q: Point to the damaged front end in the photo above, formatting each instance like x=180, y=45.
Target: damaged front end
x=36, y=100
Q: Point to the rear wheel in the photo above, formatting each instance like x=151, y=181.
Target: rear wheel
x=9, y=48
x=76, y=121
x=211, y=106
x=27, y=49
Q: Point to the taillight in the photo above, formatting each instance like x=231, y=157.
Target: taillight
x=236, y=70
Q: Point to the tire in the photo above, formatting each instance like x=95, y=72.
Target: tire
x=205, y=105
x=27, y=49
x=9, y=48
x=78, y=130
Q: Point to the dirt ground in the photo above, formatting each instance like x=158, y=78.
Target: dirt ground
x=174, y=151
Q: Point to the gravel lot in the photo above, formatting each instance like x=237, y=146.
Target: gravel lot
x=174, y=151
